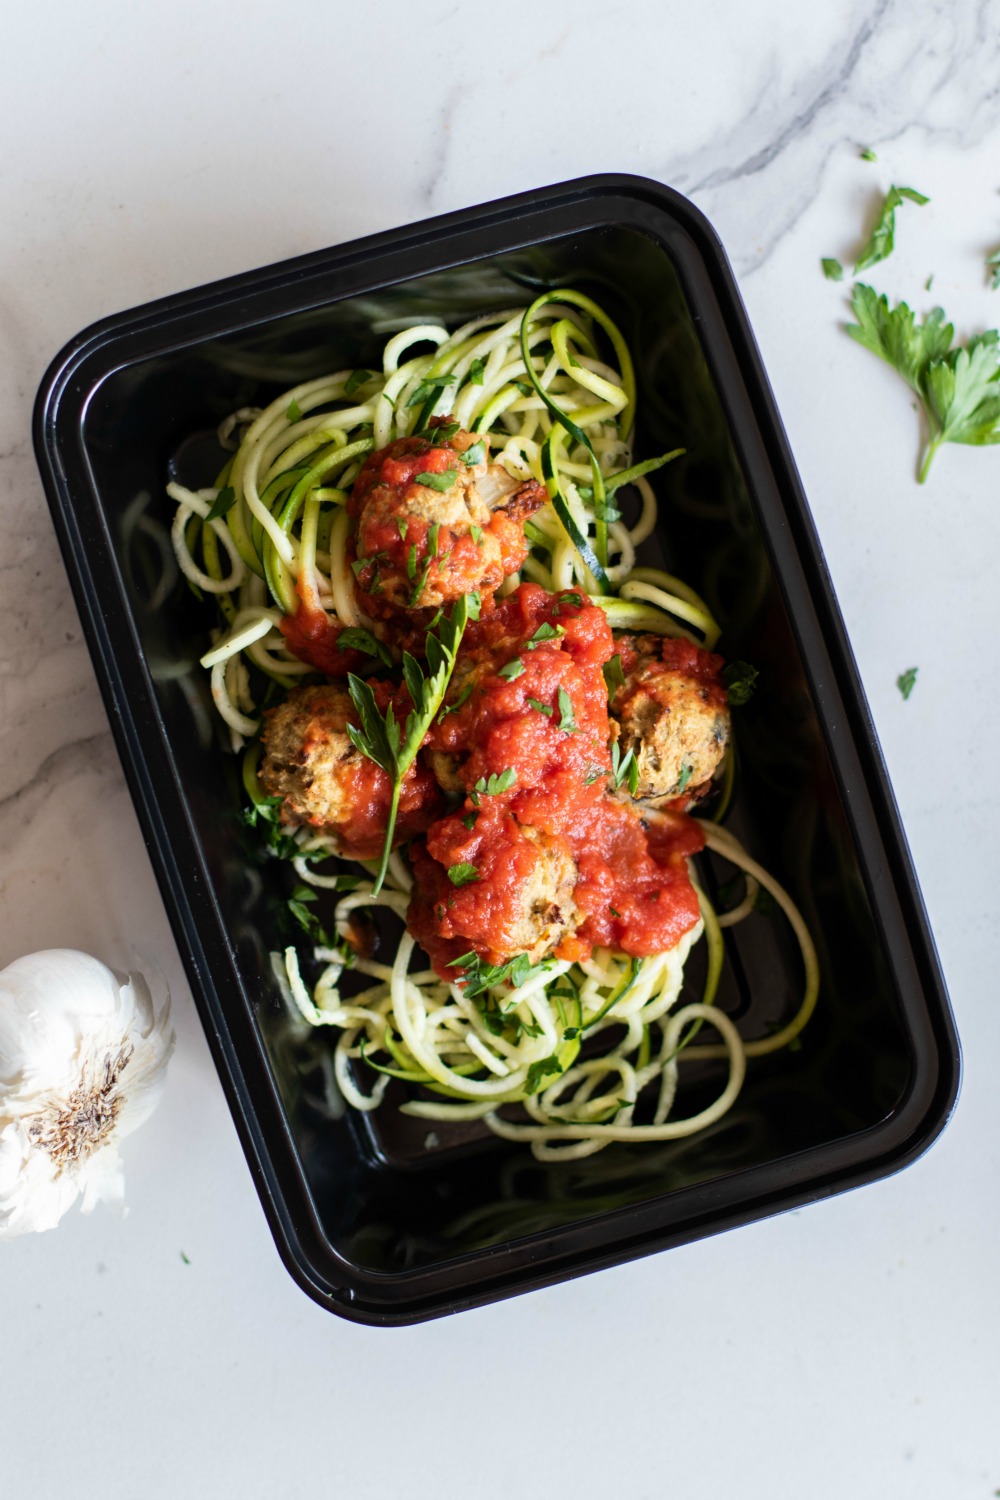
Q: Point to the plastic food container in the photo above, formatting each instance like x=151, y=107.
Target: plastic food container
x=379, y=1218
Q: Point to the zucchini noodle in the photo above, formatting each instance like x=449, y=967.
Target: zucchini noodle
x=590, y=1051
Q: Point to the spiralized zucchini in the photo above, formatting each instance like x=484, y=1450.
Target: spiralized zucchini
x=591, y=1051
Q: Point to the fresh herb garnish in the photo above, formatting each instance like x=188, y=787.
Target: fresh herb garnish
x=411, y=562
x=624, y=767
x=379, y=736
x=614, y=675
x=462, y=874
x=402, y=526
x=442, y=433
x=471, y=819
x=463, y=697
x=476, y=532
x=567, y=721
x=739, y=679
x=594, y=774
x=354, y=638
x=574, y=600
x=479, y=976
x=959, y=388
x=993, y=266
x=222, y=504
x=832, y=269
x=493, y=786
x=867, y=154
x=907, y=681
x=294, y=412
x=543, y=708
x=523, y=386
x=439, y=482
x=539, y=1070
x=882, y=238
x=545, y=632
x=684, y=777
x=430, y=387
x=475, y=454
x=355, y=379
x=512, y=669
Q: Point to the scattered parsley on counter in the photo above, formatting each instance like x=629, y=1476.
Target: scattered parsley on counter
x=993, y=267
x=958, y=387
x=867, y=154
x=879, y=246
x=906, y=681
x=832, y=269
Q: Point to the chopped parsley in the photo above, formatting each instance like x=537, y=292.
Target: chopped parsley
x=222, y=504
x=684, y=777
x=567, y=721
x=476, y=371
x=402, y=526
x=832, y=269
x=354, y=638
x=463, y=697
x=411, y=562
x=993, y=267
x=882, y=239
x=429, y=388
x=475, y=454
x=479, y=976
x=463, y=874
x=439, y=482
x=294, y=412
x=614, y=675
x=624, y=767
x=355, y=379
x=471, y=819
x=867, y=154
x=543, y=708
x=512, y=669
x=739, y=679
x=545, y=632
x=493, y=786
x=476, y=532
x=540, y=1070
x=907, y=681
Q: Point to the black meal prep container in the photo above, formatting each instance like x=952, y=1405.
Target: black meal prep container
x=378, y=1218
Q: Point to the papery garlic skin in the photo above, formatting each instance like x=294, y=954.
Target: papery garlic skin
x=83, y=1057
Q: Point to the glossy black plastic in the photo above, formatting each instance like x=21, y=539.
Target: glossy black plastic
x=376, y=1220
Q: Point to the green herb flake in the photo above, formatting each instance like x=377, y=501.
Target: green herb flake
x=294, y=412
x=439, y=482
x=494, y=785
x=354, y=638
x=929, y=282
x=539, y=1071
x=476, y=454
x=476, y=532
x=545, y=632
x=432, y=539
x=867, y=154
x=471, y=819
x=356, y=379
x=614, y=676
x=882, y=239
x=832, y=269
x=184, y=1258
x=567, y=721
x=462, y=874
x=463, y=697
x=543, y=708
x=222, y=504
x=524, y=386
x=993, y=267
x=428, y=389
x=594, y=774
x=513, y=669
x=411, y=562
x=739, y=679
x=402, y=526
x=907, y=681
x=684, y=777
x=476, y=371
x=479, y=977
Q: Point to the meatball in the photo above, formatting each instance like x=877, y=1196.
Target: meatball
x=498, y=888
x=671, y=712
x=326, y=783
x=434, y=520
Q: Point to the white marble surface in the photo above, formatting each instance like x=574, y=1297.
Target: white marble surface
x=852, y=1348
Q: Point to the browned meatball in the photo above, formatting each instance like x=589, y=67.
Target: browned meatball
x=326, y=783
x=671, y=712
x=436, y=520
x=546, y=909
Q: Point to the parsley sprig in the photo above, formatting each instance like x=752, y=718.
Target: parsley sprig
x=380, y=737
x=958, y=386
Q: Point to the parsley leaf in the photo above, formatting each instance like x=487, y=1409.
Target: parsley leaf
x=380, y=738
x=684, y=777
x=354, y=638
x=832, y=269
x=439, y=482
x=906, y=681
x=463, y=874
x=623, y=766
x=475, y=454
x=294, y=412
x=739, y=679
x=476, y=532
x=567, y=721
x=355, y=379
x=614, y=675
x=428, y=388
x=543, y=708
x=959, y=387
x=512, y=669
x=476, y=371
x=479, y=977
x=222, y=504
x=539, y=1070
x=882, y=238
x=545, y=632
x=867, y=154
x=993, y=266
x=494, y=785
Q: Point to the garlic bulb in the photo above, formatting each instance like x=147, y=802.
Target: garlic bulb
x=83, y=1056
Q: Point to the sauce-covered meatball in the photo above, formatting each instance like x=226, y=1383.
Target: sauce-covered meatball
x=671, y=712
x=434, y=520
x=326, y=783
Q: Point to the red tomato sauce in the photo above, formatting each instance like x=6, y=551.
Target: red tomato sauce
x=538, y=706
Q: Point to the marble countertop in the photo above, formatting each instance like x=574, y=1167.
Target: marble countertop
x=850, y=1348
